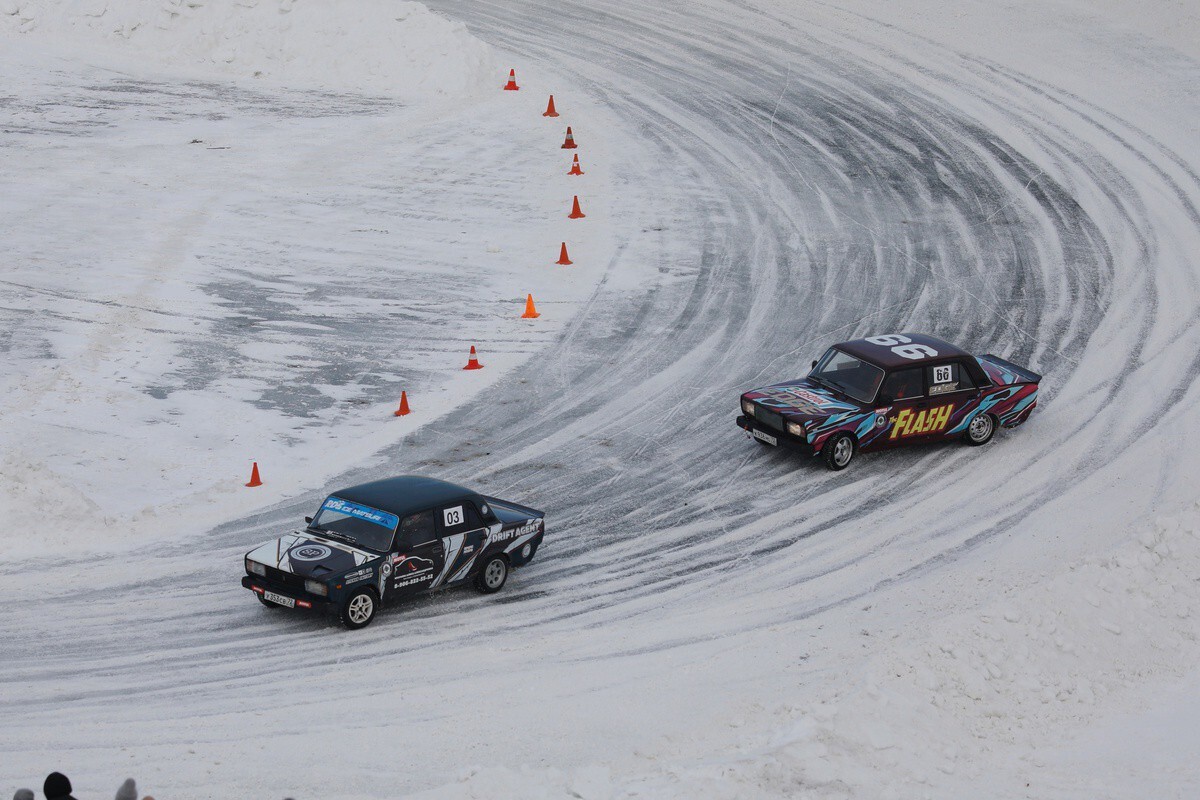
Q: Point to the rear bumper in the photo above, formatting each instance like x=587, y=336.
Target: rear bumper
x=304, y=600
x=750, y=425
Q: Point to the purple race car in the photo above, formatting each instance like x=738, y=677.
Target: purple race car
x=888, y=391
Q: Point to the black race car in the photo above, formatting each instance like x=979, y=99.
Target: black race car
x=390, y=539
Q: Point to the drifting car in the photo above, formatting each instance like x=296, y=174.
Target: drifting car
x=889, y=391
x=388, y=540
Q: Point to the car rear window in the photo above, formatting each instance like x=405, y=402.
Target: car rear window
x=458, y=517
x=945, y=378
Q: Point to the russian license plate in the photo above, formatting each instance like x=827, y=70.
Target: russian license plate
x=280, y=599
x=765, y=437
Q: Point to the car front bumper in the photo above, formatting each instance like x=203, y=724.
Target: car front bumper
x=304, y=600
x=750, y=425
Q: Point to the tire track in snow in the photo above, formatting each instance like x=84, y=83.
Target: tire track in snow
x=818, y=198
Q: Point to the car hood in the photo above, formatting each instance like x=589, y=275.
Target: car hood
x=310, y=556
x=801, y=397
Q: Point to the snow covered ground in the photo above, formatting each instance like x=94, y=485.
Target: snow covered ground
x=706, y=619
x=246, y=274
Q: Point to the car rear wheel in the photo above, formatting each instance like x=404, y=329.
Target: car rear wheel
x=359, y=609
x=839, y=451
x=981, y=430
x=492, y=577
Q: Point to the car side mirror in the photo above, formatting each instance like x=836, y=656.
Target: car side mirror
x=814, y=366
x=308, y=520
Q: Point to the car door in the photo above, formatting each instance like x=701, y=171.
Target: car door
x=904, y=391
x=952, y=395
x=463, y=537
x=417, y=559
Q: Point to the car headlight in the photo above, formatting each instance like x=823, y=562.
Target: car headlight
x=748, y=408
x=795, y=429
x=255, y=568
x=316, y=587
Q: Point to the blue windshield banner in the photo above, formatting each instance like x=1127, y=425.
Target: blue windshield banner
x=381, y=518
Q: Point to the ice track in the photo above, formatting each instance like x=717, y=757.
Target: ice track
x=793, y=185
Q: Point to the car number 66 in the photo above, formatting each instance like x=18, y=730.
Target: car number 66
x=902, y=346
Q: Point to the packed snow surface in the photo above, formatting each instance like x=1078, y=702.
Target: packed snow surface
x=707, y=618
x=393, y=48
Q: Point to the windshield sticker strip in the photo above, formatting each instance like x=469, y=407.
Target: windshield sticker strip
x=381, y=518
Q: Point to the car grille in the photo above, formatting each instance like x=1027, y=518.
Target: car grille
x=285, y=578
x=768, y=418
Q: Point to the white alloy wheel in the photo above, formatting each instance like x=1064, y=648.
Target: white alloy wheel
x=359, y=609
x=493, y=576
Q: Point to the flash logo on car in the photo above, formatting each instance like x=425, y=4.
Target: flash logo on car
x=907, y=423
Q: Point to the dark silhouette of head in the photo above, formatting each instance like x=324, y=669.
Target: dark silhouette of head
x=56, y=786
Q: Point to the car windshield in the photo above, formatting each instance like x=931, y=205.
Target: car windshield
x=356, y=524
x=844, y=372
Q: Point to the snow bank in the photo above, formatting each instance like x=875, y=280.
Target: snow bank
x=988, y=694
x=392, y=48
x=978, y=706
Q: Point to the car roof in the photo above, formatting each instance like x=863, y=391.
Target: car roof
x=883, y=356
x=405, y=494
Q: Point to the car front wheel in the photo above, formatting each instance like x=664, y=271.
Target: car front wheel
x=839, y=451
x=359, y=609
x=493, y=575
x=981, y=430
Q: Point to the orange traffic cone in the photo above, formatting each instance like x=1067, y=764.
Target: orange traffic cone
x=511, y=86
x=473, y=361
x=569, y=142
x=550, y=112
x=403, y=410
x=576, y=212
x=575, y=170
x=254, y=479
x=562, y=256
x=531, y=311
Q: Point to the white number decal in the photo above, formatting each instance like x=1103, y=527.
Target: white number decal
x=914, y=351
x=889, y=340
x=943, y=374
x=452, y=516
x=904, y=347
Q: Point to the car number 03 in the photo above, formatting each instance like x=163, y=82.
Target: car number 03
x=452, y=516
x=903, y=346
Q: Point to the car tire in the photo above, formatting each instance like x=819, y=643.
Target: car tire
x=493, y=576
x=981, y=430
x=359, y=609
x=839, y=451
x=266, y=602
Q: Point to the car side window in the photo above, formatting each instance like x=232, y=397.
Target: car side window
x=903, y=384
x=946, y=378
x=416, y=529
x=457, y=518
